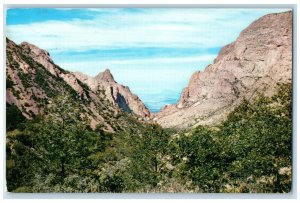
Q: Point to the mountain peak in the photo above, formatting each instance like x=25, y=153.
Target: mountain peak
x=34, y=50
x=105, y=76
x=116, y=93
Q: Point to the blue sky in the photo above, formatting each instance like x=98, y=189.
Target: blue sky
x=154, y=51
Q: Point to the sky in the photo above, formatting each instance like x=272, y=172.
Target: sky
x=154, y=51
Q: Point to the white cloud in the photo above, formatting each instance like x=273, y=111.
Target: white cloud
x=146, y=76
x=177, y=63
x=151, y=78
x=151, y=27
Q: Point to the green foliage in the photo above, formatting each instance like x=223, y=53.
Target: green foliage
x=25, y=78
x=202, y=155
x=63, y=138
x=14, y=117
x=44, y=79
x=59, y=152
x=16, y=93
x=13, y=63
x=56, y=147
x=9, y=82
x=247, y=152
x=18, y=159
x=39, y=79
x=114, y=184
x=146, y=155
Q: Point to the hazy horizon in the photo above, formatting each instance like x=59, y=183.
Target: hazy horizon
x=154, y=51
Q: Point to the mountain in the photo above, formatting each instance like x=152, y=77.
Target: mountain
x=33, y=80
x=260, y=58
x=116, y=93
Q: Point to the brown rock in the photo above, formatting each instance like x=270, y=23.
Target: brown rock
x=117, y=94
x=33, y=80
x=43, y=57
x=259, y=59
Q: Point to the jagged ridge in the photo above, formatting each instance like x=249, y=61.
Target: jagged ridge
x=116, y=93
x=32, y=80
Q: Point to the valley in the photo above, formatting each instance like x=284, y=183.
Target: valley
x=230, y=131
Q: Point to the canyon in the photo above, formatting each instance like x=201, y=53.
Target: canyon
x=259, y=59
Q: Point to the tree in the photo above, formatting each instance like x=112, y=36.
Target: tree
x=146, y=152
x=14, y=117
x=19, y=157
x=64, y=141
x=249, y=152
x=258, y=137
x=203, y=165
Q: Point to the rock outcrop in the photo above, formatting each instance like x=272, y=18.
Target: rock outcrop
x=116, y=93
x=260, y=58
x=43, y=57
x=33, y=80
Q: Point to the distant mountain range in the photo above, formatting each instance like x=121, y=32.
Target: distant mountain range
x=260, y=58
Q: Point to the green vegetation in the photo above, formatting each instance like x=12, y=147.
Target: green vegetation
x=13, y=63
x=59, y=152
x=14, y=117
x=25, y=78
x=247, y=153
x=16, y=93
x=42, y=83
x=9, y=83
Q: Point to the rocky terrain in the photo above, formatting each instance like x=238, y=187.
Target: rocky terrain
x=33, y=80
x=124, y=150
x=116, y=93
x=260, y=58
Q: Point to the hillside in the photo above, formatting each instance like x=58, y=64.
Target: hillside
x=33, y=80
x=71, y=133
x=116, y=93
x=260, y=58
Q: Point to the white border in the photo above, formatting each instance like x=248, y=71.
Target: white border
x=127, y=3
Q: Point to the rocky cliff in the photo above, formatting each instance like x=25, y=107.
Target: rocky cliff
x=117, y=94
x=33, y=80
x=260, y=58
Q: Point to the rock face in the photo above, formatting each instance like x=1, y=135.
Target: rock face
x=260, y=58
x=117, y=94
x=43, y=57
x=33, y=80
